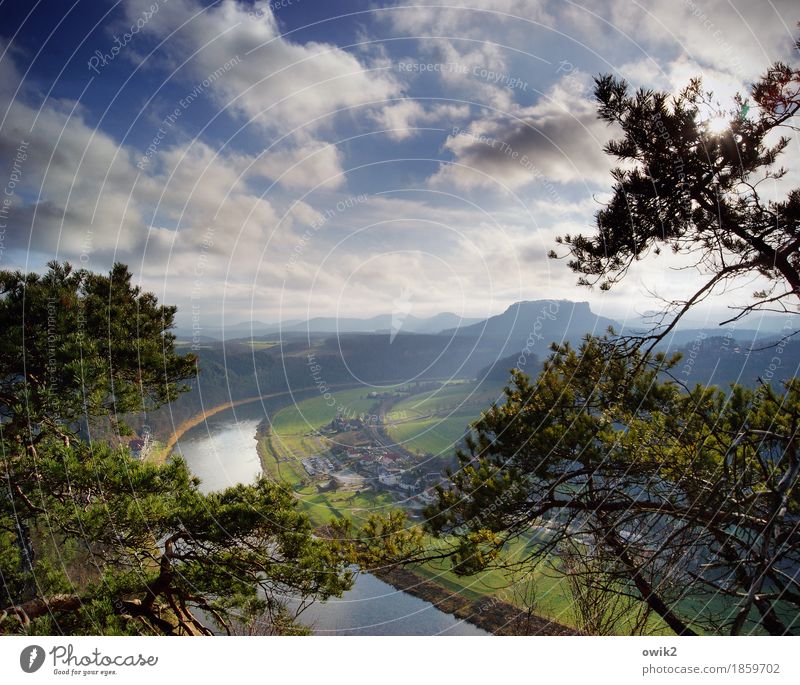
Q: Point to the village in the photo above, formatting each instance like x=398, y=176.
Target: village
x=361, y=456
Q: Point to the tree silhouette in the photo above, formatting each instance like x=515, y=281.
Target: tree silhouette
x=696, y=188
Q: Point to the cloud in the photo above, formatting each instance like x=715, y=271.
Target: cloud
x=461, y=68
x=735, y=37
x=277, y=82
x=471, y=20
x=314, y=164
x=558, y=139
x=71, y=175
x=79, y=196
x=401, y=120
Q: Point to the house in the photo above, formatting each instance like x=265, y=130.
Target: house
x=389, y=479
x=426, y=497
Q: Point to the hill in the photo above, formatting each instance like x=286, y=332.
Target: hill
x=533, y=325
x=382, y=323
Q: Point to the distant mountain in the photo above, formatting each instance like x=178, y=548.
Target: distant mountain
x=721, y=360
x=438, y=323
x=382, y=323
x=456, y=343
x=690, y=335
x=757, y=324
x=243, y=329
x=533, y=325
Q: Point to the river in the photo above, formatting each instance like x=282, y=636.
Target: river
x=222, y=452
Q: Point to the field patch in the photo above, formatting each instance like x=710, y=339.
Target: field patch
x=435, y=421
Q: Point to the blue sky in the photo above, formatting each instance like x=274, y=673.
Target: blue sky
x=266, y=161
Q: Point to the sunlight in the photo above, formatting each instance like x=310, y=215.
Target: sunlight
x=718, y=124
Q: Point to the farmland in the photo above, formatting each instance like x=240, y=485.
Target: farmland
x=435, y=421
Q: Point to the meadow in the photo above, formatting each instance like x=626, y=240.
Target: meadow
x=434, y=422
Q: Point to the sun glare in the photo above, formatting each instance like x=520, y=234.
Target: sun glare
x=718, y=124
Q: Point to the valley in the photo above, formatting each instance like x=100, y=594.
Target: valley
x=335, y=426
x=365, y=450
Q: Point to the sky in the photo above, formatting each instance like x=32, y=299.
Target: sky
x=272, y=161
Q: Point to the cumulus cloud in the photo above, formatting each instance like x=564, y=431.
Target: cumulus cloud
x=558, y=139
x=385, y=245
x=401, y=120
x=732, y=36
x=463, y=69
x=313, y=164
x=79, y=196
x=279, y=83
x=469, y=19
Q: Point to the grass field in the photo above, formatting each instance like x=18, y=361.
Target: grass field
x=455, y=395
x=262, y=344
x=356, y=506
x=540, y=586
x=435, y=435
x=433, y=422
x=308, y=415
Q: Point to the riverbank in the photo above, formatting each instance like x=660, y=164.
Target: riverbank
x=270, y=465
x=197, y=419
x=489, y=613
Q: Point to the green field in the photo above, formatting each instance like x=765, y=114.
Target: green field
x=433, y=422
x=455, y=395
x=303, y=417
x=543, y=587
x=356, y=506
x=262, y=344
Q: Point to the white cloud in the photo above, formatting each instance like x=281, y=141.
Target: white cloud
x=400, y=120
x=458, y=65
x=311, y=165
x=79, y=196
x=471, y=19
x=279, y=83
x=737, y=37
